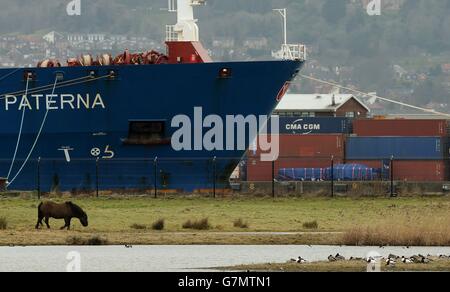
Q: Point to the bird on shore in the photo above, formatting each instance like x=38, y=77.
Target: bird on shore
x=393, y=257
x=422, y=259
x=332, y=259
x=128, y=246
x=301, y=260
x=339, y=257
x=355, y=259
x=406, y=260
x=390, y=263
x=371, y=260
x=416, y=259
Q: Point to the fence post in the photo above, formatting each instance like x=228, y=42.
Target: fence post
x=392, y=176
x=155, y=169
x=97, y=177
x=214, y=176
x=39, y=178
x=332, y=176
x=273, y=178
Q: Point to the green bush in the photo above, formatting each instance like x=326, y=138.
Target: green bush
x=311, y=225
x=158, y=225
x=202, y=224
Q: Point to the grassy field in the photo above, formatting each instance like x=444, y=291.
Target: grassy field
x=344, y=266
x=113, y=219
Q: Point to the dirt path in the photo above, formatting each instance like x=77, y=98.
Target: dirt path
x=56, y=237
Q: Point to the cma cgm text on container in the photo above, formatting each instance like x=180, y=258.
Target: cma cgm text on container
x=312, y=126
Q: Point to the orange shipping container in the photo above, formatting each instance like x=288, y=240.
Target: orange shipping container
x=304, y=146
x=414, y=128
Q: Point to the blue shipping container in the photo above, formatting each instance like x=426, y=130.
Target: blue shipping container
x=353, y=172
x=402, y=148
x=302, y=174
x=306, y=126
x=342, y=172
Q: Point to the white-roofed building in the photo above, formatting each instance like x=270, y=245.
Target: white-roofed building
x=322, y=105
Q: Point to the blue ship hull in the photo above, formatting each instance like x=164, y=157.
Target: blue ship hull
x=85, y=124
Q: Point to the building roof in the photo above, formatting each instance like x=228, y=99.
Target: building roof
x=315, y=102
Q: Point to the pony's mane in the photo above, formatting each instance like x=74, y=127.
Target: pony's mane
x=75, y=208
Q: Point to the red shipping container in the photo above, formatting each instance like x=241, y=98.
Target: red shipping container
x=414, y=171
x=400, y=127
x=297, y=151
x=303, y=146
x=261, y=171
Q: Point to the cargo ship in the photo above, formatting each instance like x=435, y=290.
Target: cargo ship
x=107, y=123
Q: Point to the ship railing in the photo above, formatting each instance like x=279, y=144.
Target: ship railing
x=171, y=33
x=293, y=52
x=173, y=4
x=198, y=2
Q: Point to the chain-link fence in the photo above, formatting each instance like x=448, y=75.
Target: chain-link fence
x=209, y=176
x=327, y=176
x=331, y=176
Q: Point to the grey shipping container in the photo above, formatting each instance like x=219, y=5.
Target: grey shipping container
x=312, y=126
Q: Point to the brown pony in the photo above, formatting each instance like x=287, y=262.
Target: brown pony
x=66, y=211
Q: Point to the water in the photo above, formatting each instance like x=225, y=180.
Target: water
x=179, y=258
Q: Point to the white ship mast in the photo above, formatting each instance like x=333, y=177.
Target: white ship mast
x=186, y=29
x=289, y=51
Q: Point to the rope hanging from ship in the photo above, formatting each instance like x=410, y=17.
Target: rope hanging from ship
x=44, y=87
x=35, y=141
x=62, y=84
x=9, y=74
x=371, y=95
x=19, y=135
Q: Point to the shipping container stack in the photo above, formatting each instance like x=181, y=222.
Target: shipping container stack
x=304, y=143
x=420, y=148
